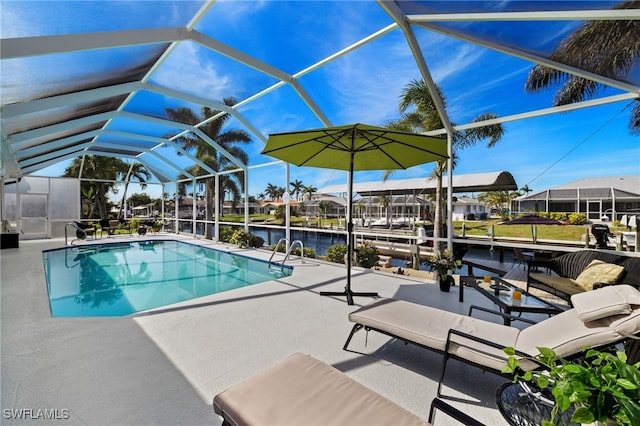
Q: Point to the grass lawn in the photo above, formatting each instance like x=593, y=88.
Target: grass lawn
x=476, y=227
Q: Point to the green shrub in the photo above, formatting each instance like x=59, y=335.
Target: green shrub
x=256, y=241
x=577, y=218
x=308, y=252
x=242, y=238
x=561, y=216
x=543, y=214
x=225, y=234
x=367, y=255
x=336, y=253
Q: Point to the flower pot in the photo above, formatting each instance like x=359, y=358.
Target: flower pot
x=142, y=230
x=445, y=283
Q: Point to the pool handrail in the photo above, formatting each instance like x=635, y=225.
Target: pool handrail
x=77, y=228
x=289, y=250
x=299, y=242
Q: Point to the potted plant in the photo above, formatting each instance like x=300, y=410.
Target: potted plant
x=601, y=387
x=442, y=263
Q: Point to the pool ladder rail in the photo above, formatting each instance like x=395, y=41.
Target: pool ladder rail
x=77, y=229
x=289, y=251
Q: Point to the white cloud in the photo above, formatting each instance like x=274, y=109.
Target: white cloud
x=190, y=71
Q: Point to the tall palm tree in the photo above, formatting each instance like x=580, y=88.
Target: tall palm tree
x=425, y=118
x=610, y=48
x=104, y=170
x=499, y=200
x=296, y=188
x=309, y=190
x=136, y=171
x=271, y=191
x=229, y=139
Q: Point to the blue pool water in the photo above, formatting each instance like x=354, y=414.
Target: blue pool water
x=122, y=278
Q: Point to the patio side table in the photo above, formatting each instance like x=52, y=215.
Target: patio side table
x=522, y=406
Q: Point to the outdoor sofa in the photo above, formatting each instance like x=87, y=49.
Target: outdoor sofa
x=580, y=271
x=600, y=318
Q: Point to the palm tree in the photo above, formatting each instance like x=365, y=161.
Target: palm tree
x=385, y=201
x=104, y=170
x=425, y=118
x=324, y=207
x=526, y=189
x=226, y=138
x=309, y=190
x=609, y=48
x=499, y=200
x=271, y=191
x=141, y=174
x=296, y=188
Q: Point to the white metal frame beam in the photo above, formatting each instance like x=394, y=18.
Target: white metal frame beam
x=532, y=58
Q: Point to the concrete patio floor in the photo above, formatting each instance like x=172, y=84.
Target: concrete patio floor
x=165, y=366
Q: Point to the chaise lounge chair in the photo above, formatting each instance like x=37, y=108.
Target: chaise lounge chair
x=600, y=318
x=302, y=390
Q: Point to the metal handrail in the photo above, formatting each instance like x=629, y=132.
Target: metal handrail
x=275, y=249
x=77, y=228
x=291, y=250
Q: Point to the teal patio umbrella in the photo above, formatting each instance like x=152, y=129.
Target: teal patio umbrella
x=355, y=147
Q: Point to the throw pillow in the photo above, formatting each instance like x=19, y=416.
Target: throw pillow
x=603, y=302
x=598, y=272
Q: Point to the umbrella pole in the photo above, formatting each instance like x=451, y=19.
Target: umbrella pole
x=347, y=290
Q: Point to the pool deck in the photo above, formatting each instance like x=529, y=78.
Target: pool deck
x=165, y=366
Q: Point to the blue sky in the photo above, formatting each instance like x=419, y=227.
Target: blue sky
x=365, y=86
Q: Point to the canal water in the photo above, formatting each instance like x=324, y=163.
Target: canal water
x=320, y=242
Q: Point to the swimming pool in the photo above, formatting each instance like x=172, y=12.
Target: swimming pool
x=116, y=279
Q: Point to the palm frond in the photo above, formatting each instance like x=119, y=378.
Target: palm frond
x=609, y=48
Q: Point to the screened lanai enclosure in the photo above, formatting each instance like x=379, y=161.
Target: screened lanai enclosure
x=185, y=93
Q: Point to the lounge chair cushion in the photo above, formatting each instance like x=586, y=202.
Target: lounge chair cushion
x=567, y=334
x=429, y=327
x=598, y=272
x=611, y=300
x=562, y=284
x=302, y=390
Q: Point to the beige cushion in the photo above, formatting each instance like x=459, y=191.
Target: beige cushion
x=429, y=327
x=567, y=334
x=304, y=391
x=598, y=272
x=610, y=300
x=563, y=284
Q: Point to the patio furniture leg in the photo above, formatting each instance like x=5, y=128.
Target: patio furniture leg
x=438, y=404
x=353, y=331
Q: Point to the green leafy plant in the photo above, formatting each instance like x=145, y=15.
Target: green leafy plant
x=226, y=233
x=336, y=253
x=242, y=238
x=444, y=262
x=367, y=255
x=309, y=253
x=577, y=218
x=601, y=386
x=561, y=216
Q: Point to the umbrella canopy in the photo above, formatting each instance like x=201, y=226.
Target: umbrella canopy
x=532, y=220
x=355, y=147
